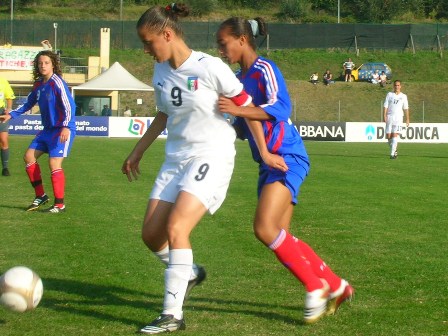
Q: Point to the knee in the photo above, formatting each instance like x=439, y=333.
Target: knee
x=28, y=158
x=263, y=232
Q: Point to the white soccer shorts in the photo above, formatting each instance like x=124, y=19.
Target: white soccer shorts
x=394, y=125
x=206, y=177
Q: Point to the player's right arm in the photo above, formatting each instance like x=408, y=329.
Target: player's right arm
x=31, y=100
x=130, y=166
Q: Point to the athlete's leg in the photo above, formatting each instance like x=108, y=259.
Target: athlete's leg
x=57, y=180
x=33, y=170
x=185, y=214
x=4, y=147
x=154, y=230
x=274, y=202
x=394, y=144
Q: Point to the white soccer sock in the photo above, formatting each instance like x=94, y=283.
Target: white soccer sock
x=176, y=281
x=164, y=257
x=394, y=145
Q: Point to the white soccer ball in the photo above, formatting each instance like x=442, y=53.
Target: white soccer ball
x=20, y=289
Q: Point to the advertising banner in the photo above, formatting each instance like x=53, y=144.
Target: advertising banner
x=375, y=132
x=17, y=58
x=123, y=127
x=87, y=126
x=321, y=131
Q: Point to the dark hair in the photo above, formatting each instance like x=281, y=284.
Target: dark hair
x=54, y=60
x=157, y=18
x=249, y=28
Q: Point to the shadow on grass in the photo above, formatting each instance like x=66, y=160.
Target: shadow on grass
x=81, y=298
x=259, y=310
x=88, y=299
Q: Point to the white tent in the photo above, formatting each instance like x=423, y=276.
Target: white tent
x=116, y=78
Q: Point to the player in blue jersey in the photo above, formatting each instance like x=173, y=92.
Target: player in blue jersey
x=278, y=187
x=57, y=109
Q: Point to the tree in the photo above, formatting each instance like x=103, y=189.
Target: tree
x=376, y=11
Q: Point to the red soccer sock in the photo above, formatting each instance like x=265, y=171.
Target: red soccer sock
x=289, y=254
x=319, y=267
x=33, y=171
x=58, y=181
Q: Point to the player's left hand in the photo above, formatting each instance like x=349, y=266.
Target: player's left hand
x=65, y=133
x=275, y=161
x=226, y=105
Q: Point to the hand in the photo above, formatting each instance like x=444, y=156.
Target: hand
x=226, y=105
x=275, y=161
x=131, y=167
x=65, y=133
x=4, y=118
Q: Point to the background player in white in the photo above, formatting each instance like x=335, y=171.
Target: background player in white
x=199, y=152
x=395, y=106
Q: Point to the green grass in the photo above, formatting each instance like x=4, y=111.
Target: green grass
x=379, y=223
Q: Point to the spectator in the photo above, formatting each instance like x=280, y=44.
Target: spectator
x=328, y=77
x=46, y=45
x=383, y=79
x=127, y=112
x=375, y=77
x=314, y=78
x=106, y=112
x=348, y=67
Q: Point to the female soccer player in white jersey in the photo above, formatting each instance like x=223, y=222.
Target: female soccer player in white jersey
x=395, y=104
x=199, y=152
x=277, y=188
x=57, y=109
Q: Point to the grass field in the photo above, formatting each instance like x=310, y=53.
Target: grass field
x=380, y=223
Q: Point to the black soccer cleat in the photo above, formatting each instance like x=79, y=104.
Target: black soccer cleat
x=38, y=202
x=5, y=172
x=55, y=209
x=164, y=324
x=196, y=281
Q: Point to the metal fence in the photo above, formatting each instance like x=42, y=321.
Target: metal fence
x=201, y=35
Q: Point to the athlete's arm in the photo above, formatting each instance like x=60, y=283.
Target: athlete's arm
x=31, y=100
x=226, y=105
x=272, y=160
x=406, y=111
x=130, y=166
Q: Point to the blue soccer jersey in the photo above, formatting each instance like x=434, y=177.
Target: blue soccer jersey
x=56, y=104
x=265, y=83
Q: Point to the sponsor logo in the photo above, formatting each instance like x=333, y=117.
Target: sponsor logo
x=370, y=132
x=406, y=133
x=321, y=131
x=136, y=127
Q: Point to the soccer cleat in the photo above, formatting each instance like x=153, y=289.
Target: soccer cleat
x=38, y=202
x=345, y=292
x=5, y=172
x=316, y=304
x=164, y=324
x=196, y=281
x=55, y=209
x=396, y=154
